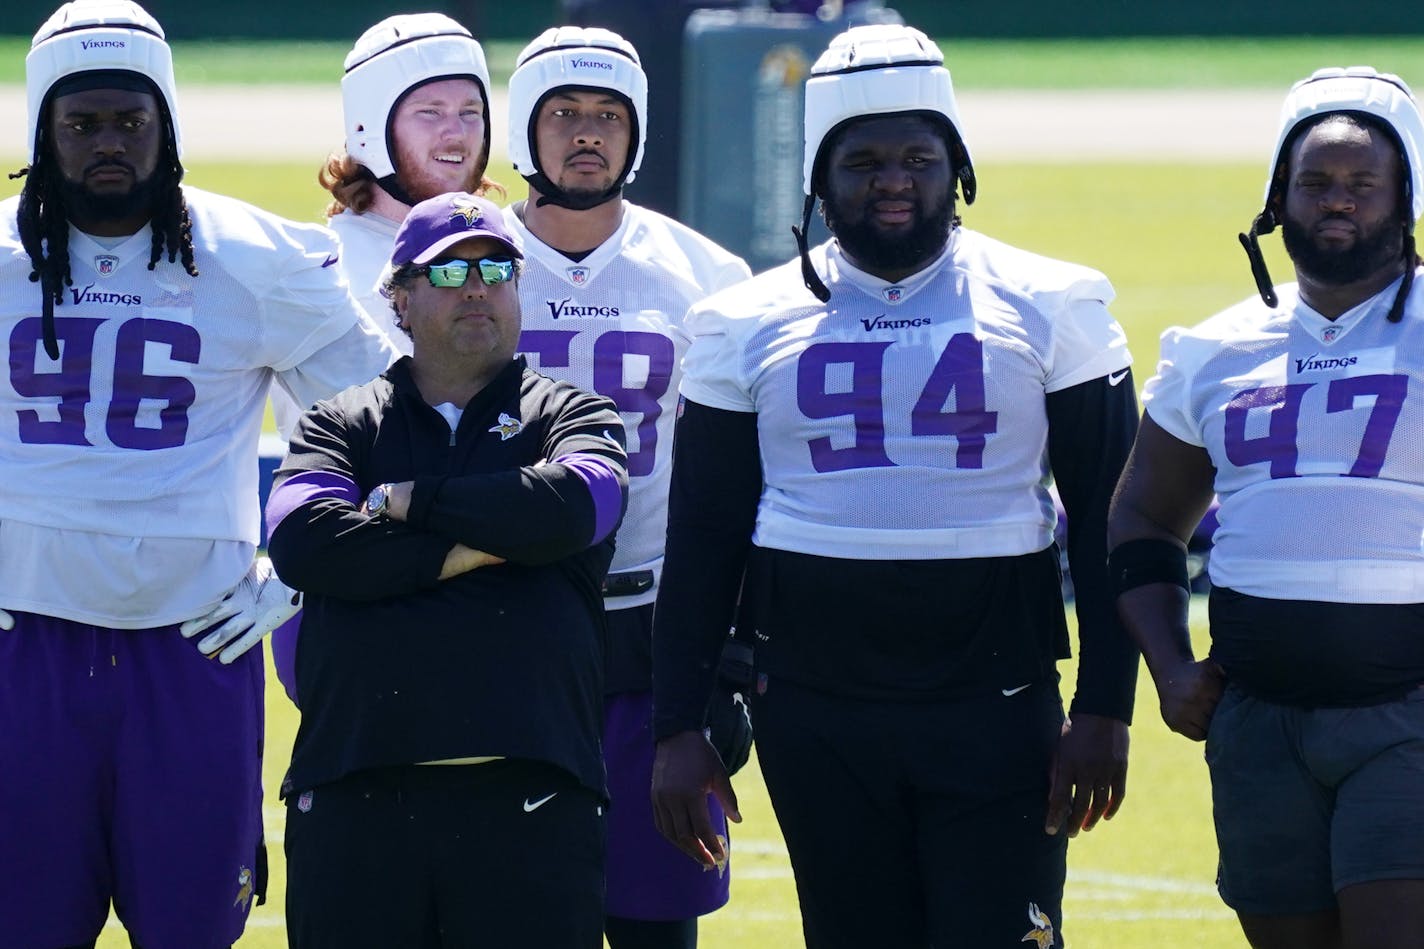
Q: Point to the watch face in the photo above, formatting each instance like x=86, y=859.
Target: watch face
x=376, y=500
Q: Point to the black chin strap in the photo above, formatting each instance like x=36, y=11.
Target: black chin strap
x=1264, y=223
x=392, y=187
x=813, y=280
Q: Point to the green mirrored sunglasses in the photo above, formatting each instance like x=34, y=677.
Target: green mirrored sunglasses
x=454, y=273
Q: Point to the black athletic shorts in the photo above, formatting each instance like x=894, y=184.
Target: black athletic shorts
x=506, y=853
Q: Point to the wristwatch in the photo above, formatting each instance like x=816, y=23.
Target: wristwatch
x=379, y=500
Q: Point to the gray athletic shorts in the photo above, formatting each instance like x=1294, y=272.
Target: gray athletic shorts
x=1310, y=801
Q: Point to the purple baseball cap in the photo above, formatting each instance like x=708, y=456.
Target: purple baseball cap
x=445, y=220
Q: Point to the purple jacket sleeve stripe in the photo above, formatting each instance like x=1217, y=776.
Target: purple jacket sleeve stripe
x=602, y=481
x=304, y=488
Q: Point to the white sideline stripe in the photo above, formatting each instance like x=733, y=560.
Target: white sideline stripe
x=303, y=122
x=1149, y=884
x=1132, y=916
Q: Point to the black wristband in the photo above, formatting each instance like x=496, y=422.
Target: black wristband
x=1147, y=560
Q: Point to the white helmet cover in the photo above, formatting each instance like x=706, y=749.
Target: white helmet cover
x=589, y=58
x=1355, y=89
x=883, y=69
x=90, y=35
x=389, y=60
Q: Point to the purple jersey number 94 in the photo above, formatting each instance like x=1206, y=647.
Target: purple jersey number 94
x=958, y=373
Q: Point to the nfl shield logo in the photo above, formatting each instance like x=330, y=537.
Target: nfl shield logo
x=578, y=275
x=105, y=264
x=893, y=294
x=304, y=803
x=1330, y=333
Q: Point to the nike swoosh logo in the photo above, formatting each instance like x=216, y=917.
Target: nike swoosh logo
x=1117, y=377
x=532, y=806
x=1009, y=692
x=330, y=259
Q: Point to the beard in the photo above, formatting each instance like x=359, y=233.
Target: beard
x=84, y=204
x=1372, y=251
x=863, y=242
x=419, y=184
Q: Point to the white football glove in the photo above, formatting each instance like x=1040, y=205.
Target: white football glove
x=7, y=621
x=255, y=607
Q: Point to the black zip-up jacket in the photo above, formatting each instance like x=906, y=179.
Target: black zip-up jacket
x=395, y=666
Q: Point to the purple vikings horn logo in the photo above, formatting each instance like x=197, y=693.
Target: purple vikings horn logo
x=466, y=208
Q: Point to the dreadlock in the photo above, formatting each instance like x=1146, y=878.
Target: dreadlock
x=44, y=225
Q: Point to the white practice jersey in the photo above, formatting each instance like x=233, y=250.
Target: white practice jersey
x=366, y=242
x=612, y=324
x=906, y=420
x=131, y=462
x=1316, y=429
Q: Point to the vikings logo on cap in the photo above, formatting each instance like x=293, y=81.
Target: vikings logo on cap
x=466, y=207
x=438, y=223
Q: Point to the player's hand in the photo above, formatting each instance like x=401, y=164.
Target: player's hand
x=1188, y=693
x=7, y=622
x=729, y=728
x=1089, y=777
x=685, y=770
x=256, y=606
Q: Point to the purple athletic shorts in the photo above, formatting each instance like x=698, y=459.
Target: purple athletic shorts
x=647, y=877
x=132, y=772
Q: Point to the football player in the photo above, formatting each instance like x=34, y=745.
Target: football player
x=415, y=100
x=143, y=322
x=868, y=432
x=1301, y=411
x=605, y=288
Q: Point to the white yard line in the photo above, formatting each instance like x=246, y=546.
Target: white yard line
x=304, y=123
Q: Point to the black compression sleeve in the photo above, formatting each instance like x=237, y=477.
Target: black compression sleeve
x=716, y=486
x=1090, y=431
